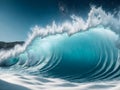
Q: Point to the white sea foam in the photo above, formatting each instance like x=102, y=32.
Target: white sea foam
x=40, y=83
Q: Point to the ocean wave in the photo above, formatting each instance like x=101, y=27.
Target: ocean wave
x=65, y=51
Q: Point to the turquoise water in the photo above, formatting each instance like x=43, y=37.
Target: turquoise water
x=84, y=56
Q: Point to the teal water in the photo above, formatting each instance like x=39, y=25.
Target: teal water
x=84, y=56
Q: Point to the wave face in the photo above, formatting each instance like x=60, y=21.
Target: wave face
x=90, y=55
x=77, y=51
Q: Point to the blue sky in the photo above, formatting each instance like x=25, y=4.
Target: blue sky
x=18, y=16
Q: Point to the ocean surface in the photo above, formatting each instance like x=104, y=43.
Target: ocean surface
x=75, y=55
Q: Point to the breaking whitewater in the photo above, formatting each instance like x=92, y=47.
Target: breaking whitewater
x=75, y=55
